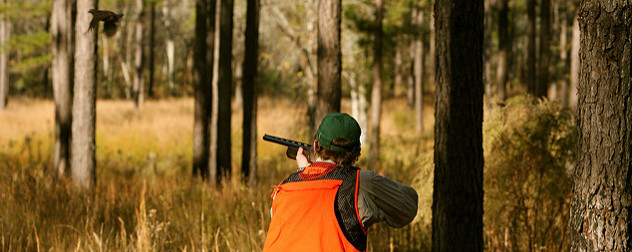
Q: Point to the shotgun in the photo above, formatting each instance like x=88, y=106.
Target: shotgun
x=292, y=147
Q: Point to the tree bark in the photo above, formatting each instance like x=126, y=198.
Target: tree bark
x=419, y=70
x=61, y=31
x=376, y=93
x=249, y=91
x=542, y=85
x=5, y=34
x=202, y=94
x=84, y=103
x=574, y=72
x=531, y=75
x=457, y=209
x=601, y=206
x=224, y=84
x=503, y=50
x=139, y=79
x=329, y=60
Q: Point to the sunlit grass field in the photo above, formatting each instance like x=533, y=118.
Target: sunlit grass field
x=146, y=199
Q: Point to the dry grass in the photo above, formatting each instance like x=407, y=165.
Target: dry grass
x=145, y=198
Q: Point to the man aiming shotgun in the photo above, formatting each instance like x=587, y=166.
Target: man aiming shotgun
x=328, y=204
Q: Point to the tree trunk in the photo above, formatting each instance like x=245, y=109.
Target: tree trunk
x=61, y=31
x=152, y=44
x=574, y=78
x=531, y=88
x=212, y=163
x=562, y=65
x=202, y=94
x=503, y=48
x=5, y=34
x=376, y=93
x=139, y=79
x=542, y=85
x=359, y=105
x=169, y=47
x=457, y=209
x=224, y=86
x=84, y=103
x=328, y=92
x=487, y=57
x=419, y=71
x=397, y=68
x=249, y=87
x=601, y=206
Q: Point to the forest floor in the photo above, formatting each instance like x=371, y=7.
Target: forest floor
x=146, y=198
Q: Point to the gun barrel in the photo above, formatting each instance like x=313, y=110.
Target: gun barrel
x=287, y=142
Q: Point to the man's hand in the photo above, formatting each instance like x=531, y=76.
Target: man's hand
x=301, y=160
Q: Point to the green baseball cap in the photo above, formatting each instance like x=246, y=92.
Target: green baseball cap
x=339, y=125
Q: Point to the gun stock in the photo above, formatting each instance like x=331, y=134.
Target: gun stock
x=292, y=147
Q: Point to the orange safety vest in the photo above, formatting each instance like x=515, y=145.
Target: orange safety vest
x=316, y=210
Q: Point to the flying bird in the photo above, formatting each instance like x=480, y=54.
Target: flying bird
x=109, y=21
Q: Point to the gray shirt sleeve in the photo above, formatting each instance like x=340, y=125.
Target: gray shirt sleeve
x=383, y=199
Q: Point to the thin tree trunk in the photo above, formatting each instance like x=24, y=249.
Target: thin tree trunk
x=457, y=208
x=359, y=105
x=84, y=103
x=574, y=78
x=531, y=88
x=419, y=71
x=376, y=93
x=563, y=65
x=328, y=93
x=202, y=95
x=397, y=80
x=601, y=216
x=487, y=57
x=5, y=34
x=503, y=48
x=212, y=163
x=410, y=85
x=139, y=79
x=61, y=30
x=542, y=85
x=224, y=86
x=152, y=44
x=169, y=47
x=249, y=88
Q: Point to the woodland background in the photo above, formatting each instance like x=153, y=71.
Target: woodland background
x=149, y=190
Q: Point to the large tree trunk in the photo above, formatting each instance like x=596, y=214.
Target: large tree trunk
x=376, y=93
x=139, y=79
x=531, y=88
x=5, y=33
x=202, y=94
x=574, y=78
x=224, y=84
x=601, y=206
x=419, y=70
x=457, y=209
x=84, y=103
x=61, y=31
x=249, y=87
x=152, y=44
x=542, y=85
x=329, y=59
x=503, y=50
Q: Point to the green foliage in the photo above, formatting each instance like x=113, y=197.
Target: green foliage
x=529, y=149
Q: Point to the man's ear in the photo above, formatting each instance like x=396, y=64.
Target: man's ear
x=314, y=144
